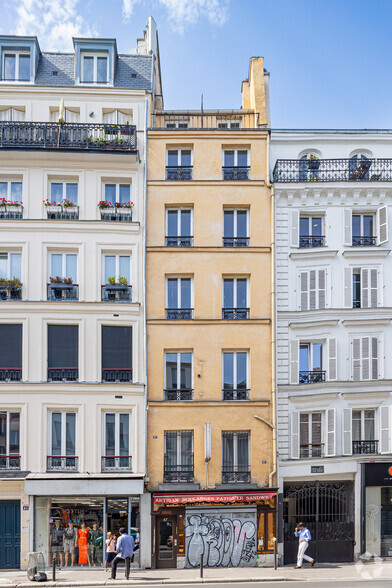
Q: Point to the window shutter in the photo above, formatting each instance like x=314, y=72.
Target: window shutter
x=331, y=419
x=332, y=375
x=382, y=224
x=374, y=298
x=356, y=359
x=374, y=358
x=294, y=228
x=116, y=347
x=364, y=288
x=385, y=443
x=304, y=287
x=10, y=346
x=295, y=434
x=365, y=358
x=348, y=287
x=347, y=435
x=347, y=227
x=312, y=289
x=321, y=288
x=294, y=361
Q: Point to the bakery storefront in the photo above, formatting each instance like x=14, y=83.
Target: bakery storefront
x=377, y=502
x=228, y=529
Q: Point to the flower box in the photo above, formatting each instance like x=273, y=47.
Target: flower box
x=109, y=210
x=14, y=207
x=125, y=211
x=117, y=287
x=61, y=286
x=51, y=208
x=71, y=209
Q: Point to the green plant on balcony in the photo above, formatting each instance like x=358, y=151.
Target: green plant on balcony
x=112, y=280
x=122, y=280
x=59, y=280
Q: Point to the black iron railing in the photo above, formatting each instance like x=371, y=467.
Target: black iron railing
x=311, y=450
x=312, y=377
x=356, y=303
x=333, y=170
x=59, y=291
x=69, y=136
x=233, y=173
x=179, y=241
x=179, y=394
x=110, y=463
x=116, y=293
x=11, y=213
x=365, y=447
x=11, y=292
x=116, y=374
x=234, y=475
x=63, y=374
x=235, y=241
x=9, y=462
x=63, y=214
x=178, y=473
x=310, y=241
x=235, y=313
x=364, y=241
x=62, y=463
x=206, y=120
x=235, y=394
x=179, y=313
x=10, y=374
x=115, y=215
x=179, y=173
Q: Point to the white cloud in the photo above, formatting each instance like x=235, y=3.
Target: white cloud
x=54, y=22
x=185, y=12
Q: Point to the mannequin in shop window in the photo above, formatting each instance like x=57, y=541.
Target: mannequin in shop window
x=83, y=533
x=95, y=539
x=69, y=543
x=56, y=540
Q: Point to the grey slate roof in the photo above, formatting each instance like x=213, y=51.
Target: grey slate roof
x=132, y=71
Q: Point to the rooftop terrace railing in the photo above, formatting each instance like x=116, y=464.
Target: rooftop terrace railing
x=222, y=121
x=333, y=170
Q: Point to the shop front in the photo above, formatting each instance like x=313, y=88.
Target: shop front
x=226, y=529
x=377, y=503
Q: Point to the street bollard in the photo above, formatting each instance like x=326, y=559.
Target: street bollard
x=201, y=565
x=275, y=555
x=54, y=568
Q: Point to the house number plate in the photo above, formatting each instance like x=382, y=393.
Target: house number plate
x=316, y=469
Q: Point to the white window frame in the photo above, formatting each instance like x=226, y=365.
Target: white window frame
x=362, y=215
x=63, y=413
x=235, y=367
x=235, y=448
x=9, y=183
x=310, y=422
x=95, y=67
x=177, y=124
x=17, y=55
x=309, y=217
x=117, y=262
x=309, y=345
x=179, y=153
x=117, y=414
x=8, y=254
x=7, y=440
x=235, y=301
x=235, y=224
x=228, y=124
x=64, y=189
x=178, y=278
x=317, y=290
x=362, y=411
x=236, y=156
x=117, y=184
x=63, y=263
x=117, y=112
x=178, y=353
x=179, y=209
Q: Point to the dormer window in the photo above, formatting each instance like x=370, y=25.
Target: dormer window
x=94, y=69
x=16, y=66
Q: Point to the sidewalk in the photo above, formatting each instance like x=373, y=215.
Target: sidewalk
x=321, y=572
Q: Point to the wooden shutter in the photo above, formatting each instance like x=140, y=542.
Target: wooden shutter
x=356, y=359
x=294, y=434
x=312, y=289
x=347, y=227
x=364, y=288
x=332, y=375
x=347, y=435
x=382, y=224
x=374, y=358
x=304, y=289
x=385, y=443
x=321, y=288
x=365, y=358
x=348, y=287
x=294, y=228
x=374, y=288
x=330, y=449
x=294, y=361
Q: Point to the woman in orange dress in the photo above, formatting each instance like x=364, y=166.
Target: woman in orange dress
x=82, y=544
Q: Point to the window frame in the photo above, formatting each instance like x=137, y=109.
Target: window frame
x=64, y=184
x=309, y=345
x=63, y=264
x=8, y=431
x=235, y=223
x=17, y=54
x=117, y=414
x=362, y=215
x=236, y=151
x=310, y=425
x=178, y=209
x=63, y=413
x=235, y=292
x=95, y=57
x=235, y=448
x=177, y=124
x=117, y=265
x=179, y=295
x=362, y=421
x=9, y=189
x=117, y=185
x=179, y=460
x=179, y=155
x=117, y=111
x=178, y=353
x=229, y=124
x=9, y=254
x=235, y=379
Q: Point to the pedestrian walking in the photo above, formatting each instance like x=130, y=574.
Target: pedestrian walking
x=110, y=548
x=304, y=537
x=124, y=551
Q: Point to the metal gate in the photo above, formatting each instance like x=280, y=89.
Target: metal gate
x=327, y=509
x=9, y=534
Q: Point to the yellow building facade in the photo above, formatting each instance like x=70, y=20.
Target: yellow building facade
x=210, y=308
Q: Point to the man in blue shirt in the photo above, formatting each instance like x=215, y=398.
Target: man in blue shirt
x=124, y=551
x=304, y=537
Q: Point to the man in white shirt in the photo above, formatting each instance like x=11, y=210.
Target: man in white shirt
x=304, y=537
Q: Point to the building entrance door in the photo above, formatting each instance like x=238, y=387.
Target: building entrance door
x=166, y=542
x=9, y=534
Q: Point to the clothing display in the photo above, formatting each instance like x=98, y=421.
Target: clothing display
x=95, y=539
x=82, y=545
x=56, y=534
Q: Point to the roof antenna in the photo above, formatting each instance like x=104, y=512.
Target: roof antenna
x=201, y=108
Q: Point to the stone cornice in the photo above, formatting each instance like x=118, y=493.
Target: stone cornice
x=321, y=253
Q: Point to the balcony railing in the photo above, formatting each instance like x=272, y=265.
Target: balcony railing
x=358, y=241
x=11, y=292
x=179, y=394
x=116, y=293
x=312, y=377
x=307, y=450
x=69, y=136
x=210, y=120
x=179, y=173
x=365, y=447
x=62, y=463
x=235, y=313
x=10, y=374
x=116, y=463
x=11, y=212
x=235, y=394
x=179, y=241
x=63, y=374
x=233, y=173
x=234, y=475
x=60, y=213
x=179, y=313
x=310, y=241
x=116, y=214
x=178, y=473
x=9, y=462
x=116, y=374
x=235, y=241
x=333, y=170
x=356, y=303
x=60, y=291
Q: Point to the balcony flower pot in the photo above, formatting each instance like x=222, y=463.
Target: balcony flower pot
x=61, y=286
x=71, y=209
x=125, y=129
x=313, y=164
x=109, y=210
x=14, y=207
x=124, y=211
x=54, y=208
x=116, y=287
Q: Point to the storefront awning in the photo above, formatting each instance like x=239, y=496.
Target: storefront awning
x=65, y=486
x=221, y=497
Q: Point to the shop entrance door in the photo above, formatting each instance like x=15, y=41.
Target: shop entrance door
x=9, y=534
x=166, y=542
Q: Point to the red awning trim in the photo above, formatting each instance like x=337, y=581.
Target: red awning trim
x=225, y=497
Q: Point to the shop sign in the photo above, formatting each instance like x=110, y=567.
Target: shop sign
x=378, y=474
x=223, y=498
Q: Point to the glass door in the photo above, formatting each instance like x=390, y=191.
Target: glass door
x=166, y=538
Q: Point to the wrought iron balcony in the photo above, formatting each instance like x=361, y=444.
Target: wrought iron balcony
x=356, y=303
x=233, y=173
x=9, y=462
x=358, y=241
x=116, y=214
x=234, y=475
x=60, y=291
x=235, y=394
x=312, y=377
x=179, y=173
x=10, y=374
x=306, y=241
x=179, y=241
x=179, y=313
x=235, y=241
x=63, y=374
x=116, y=463
x=365, y=447
x=10, y=292
x=62, y=463
x=116, y=293
x=235, y=313
x=11, y=212
x=66, y=213
x=178, y=473
x=178, y=394
x=307, y=450
x=116, y=374
x=69, y=136
x=333, y=170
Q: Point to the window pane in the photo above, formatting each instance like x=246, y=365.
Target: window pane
x=186, y=448
x=242, y=158
x=70, y=433
x=125, y=193
x=243, y=450
x=72, y=193
x=3, y=190
x=185, y=223
x=102, y=70
x=56, y=193
x=16, y=266
x=110, y=193
x=368, y=226
x=24, y=67
x=316, y=427
x=14, y=433
x=124, y=267
x=4, y=266
x=171, y=371
x=227, y=450
x=124, y=434
x=369, y=425
x=242, y=229
x=228, y=158
x=16, y=191
x=172, y=226
x=356, y=425
x=316, y=227
x=88, y=69
x=241, y=293
x=304, y=227
x=9, y=67
x=304, y=358
x=317, y=356
x=304, y=429
x=228, y=223
x=356, y=225
x=172, y=294
x=172, y=157
x=186, y=293
x=228, y=293
x=56, y=265
x=241, y=370
x=186, y=157
x=110, y=267
x=186, y=370
x=56, y=433
x=71, y=261
x=3, y=433
x=110, y=446
x=171, y=448
x=228, y=374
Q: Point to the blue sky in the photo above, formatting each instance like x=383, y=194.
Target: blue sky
x=330, y=61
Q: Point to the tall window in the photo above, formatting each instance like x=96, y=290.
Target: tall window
x=94, y=69
x=236, y=164
x=235, y=457
x=62, y=279
x=63, y=353
x=178, y=375
x=10, y=353
x=235, y=298
x=310, y=435
x=60, y=191
x=117, y=193
x=363, y=230
x=12, y=114
x=62, y=441
x=179, y=164
x=10, y=266
x=11, y=191
x=117, y=278
x=311, y=363
x=116, y=353
x=363, y=425
x=179, y=298
x=16, y=66
x=235, y=228
x=179, y=227
x=178, y=464
x=9, y=440
x=235, y=375
x=311, y=231
x=116, y=442
x=359, y=166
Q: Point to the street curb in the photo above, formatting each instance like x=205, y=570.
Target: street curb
x=150, y=582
